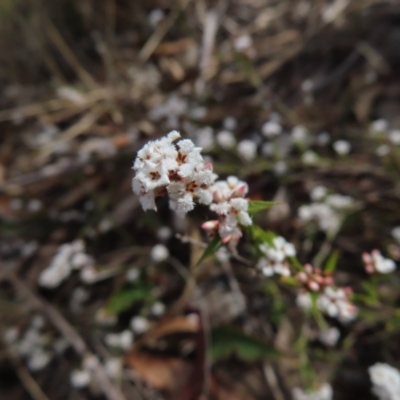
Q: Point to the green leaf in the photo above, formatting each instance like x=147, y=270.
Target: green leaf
x=258, y=205
x=226, y=341
x=263, y=236
x=126, y=297
x=330, y=265
x=211, y=248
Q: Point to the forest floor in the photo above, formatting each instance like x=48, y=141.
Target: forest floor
x=289, y=96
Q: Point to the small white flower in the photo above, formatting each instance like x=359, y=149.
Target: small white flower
x=156, y=16
x=325, y=392
x=113, y=367
x=329, y=336
x=342, y=147
x=139, y=325
x=205, y=138
x=396, y=233
x=318, y=193
x=80, y=378
x=379, y=126
x=375, y=262
x=229, y=123
x=158, y=309
x=271, y=129
x=226, y=139
x=247, y=149
x=382, y=150
x=159, y=253
x=299, y=134
x=323, y=138
x=309, y=157
x=280, y=167
x=394, y=136
x=242, y=42
x=132, y=275
x=385, y=380
x=38, y=359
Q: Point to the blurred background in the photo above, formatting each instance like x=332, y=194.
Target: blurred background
x=289, y=95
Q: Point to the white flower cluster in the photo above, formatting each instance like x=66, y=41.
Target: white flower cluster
x=376, y=263
x=33, y=345
x=327, y=210
x=69, y=256
x=325, y=392
x=335, y=303
x=385, y=380
x=231, y=206
x=122, y=340
x=275, y=260
x=179, y=170
x=331, y=300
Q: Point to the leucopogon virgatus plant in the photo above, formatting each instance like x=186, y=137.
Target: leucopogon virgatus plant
x=175, y=167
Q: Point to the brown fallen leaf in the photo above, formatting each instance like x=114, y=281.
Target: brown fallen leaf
x=166, y=374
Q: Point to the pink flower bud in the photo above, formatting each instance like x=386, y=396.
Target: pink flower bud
x=210, y=225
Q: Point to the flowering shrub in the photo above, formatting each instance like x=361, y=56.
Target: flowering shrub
x=175, y=167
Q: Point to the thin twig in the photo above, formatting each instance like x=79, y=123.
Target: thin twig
x=154, y=40
x=25, y=377
x=110, y=391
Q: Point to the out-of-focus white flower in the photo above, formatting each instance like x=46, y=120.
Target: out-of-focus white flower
x=242, y=42
x=376, y=263
x=323, y=138
x=325, y=392
x=121, y=340
x=159, y=253
x=327, y=219
x=38, y=359
x=271, y=129
x=34, y=205
x=309, y=157
x=164, y=233
x=198, y=113
x=158, y=309
x=247, y=149
x=299, y=134
x=280, y=167
x=139, y=324
x=156, y=16
x=379, y=126
x=385, y=380
x=267, y=149
x=11, y=335
x=394, y=136
x=229, y=123
x=303, y=300
x=133, y=275
x=338, y=201
x=226, y=139
x=396, y=233
x=382, y=150
x=342, y=147
x=69, y=256
x=335, y=303
x=330, y=336
x=307, y=85
x=113, y=367
x=275, y=260
x=318, y=193
x=80, y=378
x=71, y=94
x=205, y=138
